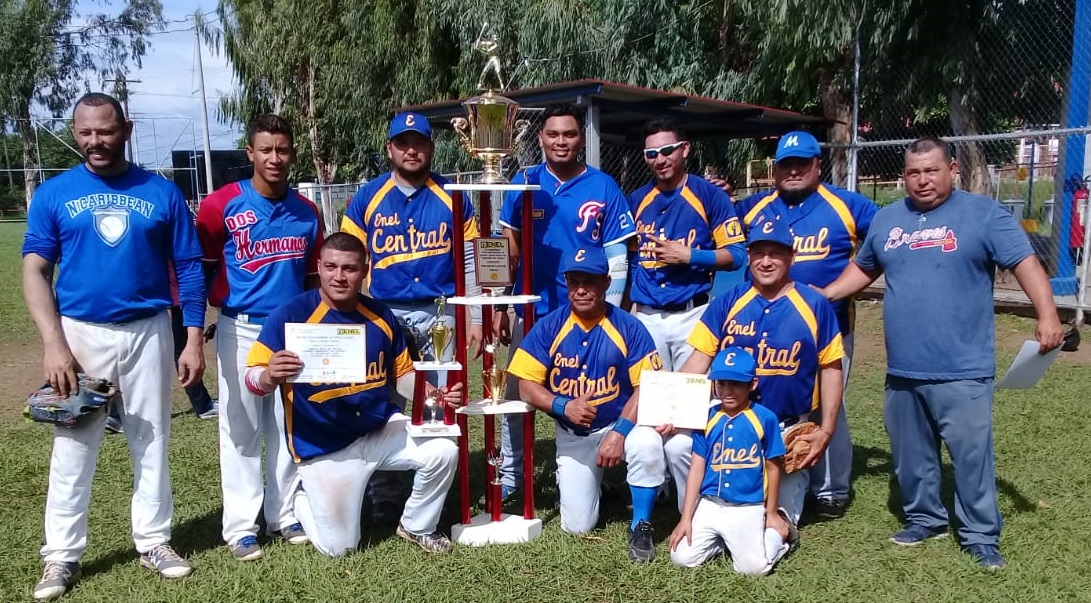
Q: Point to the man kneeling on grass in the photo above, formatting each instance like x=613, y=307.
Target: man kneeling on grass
x=734, y=477
x=341, y=433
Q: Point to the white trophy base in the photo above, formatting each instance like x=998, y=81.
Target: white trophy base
x=432, y=365
x=482, y=530
x=487, y=407
x=433, y=430
x=492, y=300
x=477, y=186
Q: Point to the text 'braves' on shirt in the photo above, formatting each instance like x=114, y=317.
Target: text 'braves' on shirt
x=827, y=228
x=939, y=266
x=697, y=214
x=789, y=337
x=408, y=237
x=602, y=358
x=735, y=450
x=265, y=249
x=320, y=418
x=586, y=211
x=111, y=238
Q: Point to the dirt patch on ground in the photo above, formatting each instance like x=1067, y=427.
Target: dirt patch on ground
x=21, y=373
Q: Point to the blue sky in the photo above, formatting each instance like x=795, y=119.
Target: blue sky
x=166, y=104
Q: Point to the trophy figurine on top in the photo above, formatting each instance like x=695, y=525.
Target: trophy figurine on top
x=440, y=332
x=490, y=130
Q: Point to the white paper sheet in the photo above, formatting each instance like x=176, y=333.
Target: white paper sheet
x=681, y=399
x=331, y=353
x=1027, y=368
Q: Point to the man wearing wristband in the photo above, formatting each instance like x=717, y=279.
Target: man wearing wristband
x=792, y=332
x=582, y=364
x=687, y=228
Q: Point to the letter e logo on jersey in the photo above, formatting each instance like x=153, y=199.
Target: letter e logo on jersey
x=590, y=211
x=111, y=224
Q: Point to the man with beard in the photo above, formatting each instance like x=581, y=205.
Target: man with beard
x=111, y=228
x=261, y=241
x=828, y=224
x=404, y=218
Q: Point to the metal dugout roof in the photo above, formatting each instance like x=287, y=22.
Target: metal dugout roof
x=616, y=113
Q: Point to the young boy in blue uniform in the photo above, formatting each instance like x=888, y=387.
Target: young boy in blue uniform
x=731, y=491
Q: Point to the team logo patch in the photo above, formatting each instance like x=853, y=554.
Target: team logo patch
x=111, y=224
x=926, y=238
x=590, y=214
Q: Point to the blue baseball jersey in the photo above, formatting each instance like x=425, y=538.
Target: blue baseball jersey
x=938, y=313
x=408, y=238
x=586, y=211
x=698, y=214
x=571, y=357
x=828, y=227
x=320, y=418
x=265, y=249
x=735, y=450
x=111, y=239
x=789, y=337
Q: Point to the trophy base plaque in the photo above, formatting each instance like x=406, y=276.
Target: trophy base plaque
x=433, y=430
x=482, y=530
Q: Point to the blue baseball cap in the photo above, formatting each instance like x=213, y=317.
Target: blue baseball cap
x=797, y=144
x=733, y=364
x=410, y=122
x=770, y=228
x=591, y=261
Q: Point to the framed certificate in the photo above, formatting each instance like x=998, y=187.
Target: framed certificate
x=681, y=399
x=330, y=353
x=492, y=262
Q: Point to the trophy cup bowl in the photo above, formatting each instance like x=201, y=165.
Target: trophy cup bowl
x=440, y=334
x=490, y=132
x=495, y=377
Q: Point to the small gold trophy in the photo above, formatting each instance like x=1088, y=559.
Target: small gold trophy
x=494, y=377
x=490, y=130
x=440, y=331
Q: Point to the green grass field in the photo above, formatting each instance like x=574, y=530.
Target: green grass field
x=1043, y=476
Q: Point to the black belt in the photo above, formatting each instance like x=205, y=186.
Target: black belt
x=698, y=300
x=580, y=433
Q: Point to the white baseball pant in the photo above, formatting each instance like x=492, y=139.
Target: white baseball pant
x=332, y=486
x=830, y=478
x=738, y=528
x=138, y=357
x=579, y=477
x=670, y=330
x=245, y=419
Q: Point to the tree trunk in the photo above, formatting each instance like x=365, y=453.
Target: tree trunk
x=837, y=109
x=324, y=169
x=30, y=152
x=973, y=169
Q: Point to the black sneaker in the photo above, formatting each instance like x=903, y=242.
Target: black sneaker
x=828, y=508
x=641, y=547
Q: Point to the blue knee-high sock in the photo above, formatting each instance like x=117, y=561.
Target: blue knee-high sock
x=643, y=501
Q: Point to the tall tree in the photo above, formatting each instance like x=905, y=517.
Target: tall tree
x=47, y=50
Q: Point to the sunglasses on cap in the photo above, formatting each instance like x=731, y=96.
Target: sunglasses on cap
x=665, y=150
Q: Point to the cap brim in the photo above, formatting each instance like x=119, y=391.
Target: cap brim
x=732, y=376
x=795, y=155
x=427, y=135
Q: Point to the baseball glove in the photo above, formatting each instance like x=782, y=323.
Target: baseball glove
x=796, y=449
x=47, y=406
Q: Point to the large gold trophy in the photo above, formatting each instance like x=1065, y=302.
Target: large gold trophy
x=490, y=130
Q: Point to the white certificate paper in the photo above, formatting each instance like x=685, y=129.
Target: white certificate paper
x=1028, y=367
x=681, y=399
x=330, y=353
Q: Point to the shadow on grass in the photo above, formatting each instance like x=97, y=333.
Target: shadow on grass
x=872, y=461
x=188, y=538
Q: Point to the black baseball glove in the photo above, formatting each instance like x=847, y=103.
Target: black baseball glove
x=47, y=406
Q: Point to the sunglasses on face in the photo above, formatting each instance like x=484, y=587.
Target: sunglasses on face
x=665, y=150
